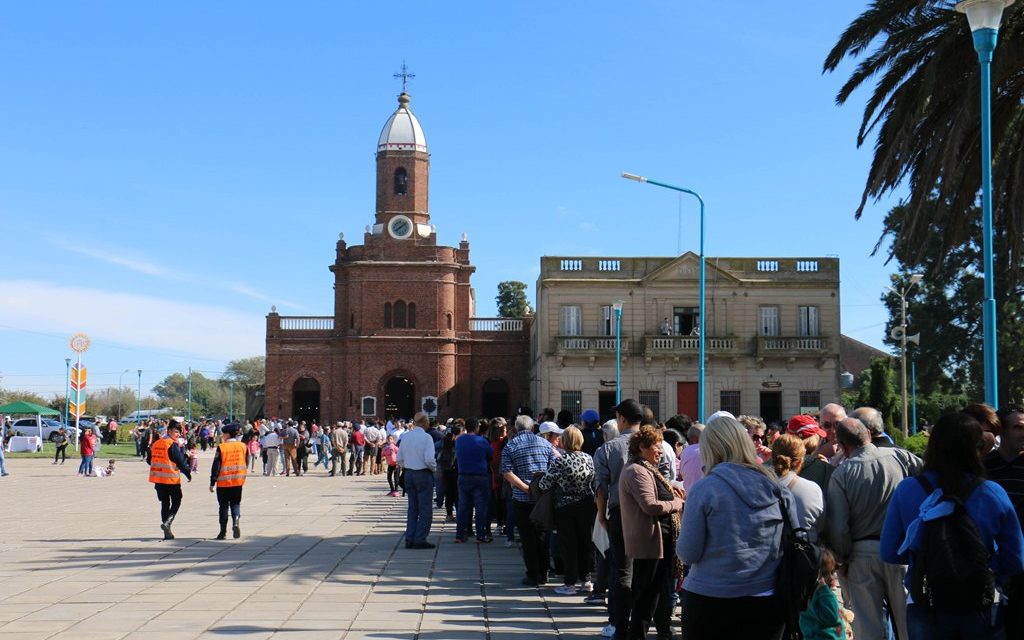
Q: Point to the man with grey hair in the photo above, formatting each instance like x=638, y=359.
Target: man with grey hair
x=829, y=416
x=875, y=422
x=524, y=455
x=416, y=457
x=858, y=498
x=690, y=466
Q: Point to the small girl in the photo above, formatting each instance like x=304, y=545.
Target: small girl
x=824, y=618
x=193, y=458
x=254, y=450
x=390, y=455
x=103, y=472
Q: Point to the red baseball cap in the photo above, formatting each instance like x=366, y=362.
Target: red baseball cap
x=804, y=426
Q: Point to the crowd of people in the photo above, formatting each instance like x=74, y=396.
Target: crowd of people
x=657, y=520
x=648, y=518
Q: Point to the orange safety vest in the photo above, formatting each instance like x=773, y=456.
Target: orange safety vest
x=161, y=469
x=232, y=464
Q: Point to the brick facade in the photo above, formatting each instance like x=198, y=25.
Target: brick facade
x=403, y=316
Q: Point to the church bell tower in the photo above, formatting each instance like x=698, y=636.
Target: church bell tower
x=403, y=171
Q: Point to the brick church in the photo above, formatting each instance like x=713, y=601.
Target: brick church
x=403, y=337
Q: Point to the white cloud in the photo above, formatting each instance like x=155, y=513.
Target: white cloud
x=132, y=319
x=121, y=259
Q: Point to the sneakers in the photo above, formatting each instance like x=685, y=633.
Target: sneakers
x=484, y=540
x=587, y=586
x=608, y=631
x=566, y=590
x=594, y=598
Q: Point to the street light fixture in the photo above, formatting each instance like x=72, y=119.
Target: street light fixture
x=700, y=337
x=902, y=331
x=984, y=17
x=618, y=351
x=138, y=415
x=67, y=390
x=120, y=388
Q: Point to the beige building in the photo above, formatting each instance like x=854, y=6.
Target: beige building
x=772, y=344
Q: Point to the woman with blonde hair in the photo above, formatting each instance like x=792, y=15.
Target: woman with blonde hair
x=650, y=509
x=732, y=538
x=788, y=453
x=572, y=475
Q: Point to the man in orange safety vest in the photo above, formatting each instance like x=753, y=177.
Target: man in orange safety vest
x=228, y=476
x=166, y=462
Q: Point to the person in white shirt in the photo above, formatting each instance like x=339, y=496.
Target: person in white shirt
x=690, y=466
x=787, y=459
x=272, y=445
x=416, y=457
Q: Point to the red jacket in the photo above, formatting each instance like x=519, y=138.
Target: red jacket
x=88, y=444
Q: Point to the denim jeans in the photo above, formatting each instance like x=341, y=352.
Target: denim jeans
x=923, y=624
x=3, y=461
x=419, y=488
x=86, y=466
x=474, y=494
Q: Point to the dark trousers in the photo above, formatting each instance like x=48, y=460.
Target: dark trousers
x=497, y=508
x=228, y=498
x=473, y=494
x=750, y=618
x=451, y=491
x=535, y=546
x=302, y=460
x=1013, y=612
x=60, y=453
x=419, y=487
x=622, y=579
x=651, y=603
x=575, y=524
x=393, y=477
x=170, y=499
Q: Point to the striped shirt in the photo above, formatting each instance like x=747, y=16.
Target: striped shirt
x=1010, y=476
x=524, y=455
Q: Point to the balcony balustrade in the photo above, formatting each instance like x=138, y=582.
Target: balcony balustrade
x=792, y=346
x=587, y=345
x=690, y=345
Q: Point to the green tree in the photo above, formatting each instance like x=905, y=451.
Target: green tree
x=879, y=390
x=511, y=299
x=8, y=395
x=247, y=371
x=924, y=115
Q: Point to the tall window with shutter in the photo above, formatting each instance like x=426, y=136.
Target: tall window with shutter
x=572, y=321
x=607, y=320
x=769, y=321
x=809, y=324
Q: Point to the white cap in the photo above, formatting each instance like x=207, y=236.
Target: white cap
x=719, y=414
x=551, y=427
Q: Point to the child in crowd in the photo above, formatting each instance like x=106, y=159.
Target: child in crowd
x=193, y=458
x=254, y=450
x=390, y=454
x=825, y=618
x=103, y=472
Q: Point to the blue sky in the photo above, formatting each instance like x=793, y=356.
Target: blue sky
x=169, y=171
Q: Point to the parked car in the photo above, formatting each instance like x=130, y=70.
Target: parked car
x=28, y=427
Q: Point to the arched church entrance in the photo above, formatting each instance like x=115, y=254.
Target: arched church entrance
x=399, y=398
x=494, y=402
x=306, y=400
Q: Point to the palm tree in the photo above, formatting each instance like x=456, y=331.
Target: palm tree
x=924, y=114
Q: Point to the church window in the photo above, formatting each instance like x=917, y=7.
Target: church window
x=352, y=321
x=399, y=315
x=449, y=316
x=401, y=181
x=387, y=315
x=412, y=315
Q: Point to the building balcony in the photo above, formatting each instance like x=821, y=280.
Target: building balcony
x=496, y=325
x=792, y=346
x=690, y=346
x=587, y=346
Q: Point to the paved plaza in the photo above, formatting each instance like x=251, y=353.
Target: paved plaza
x=319, y=557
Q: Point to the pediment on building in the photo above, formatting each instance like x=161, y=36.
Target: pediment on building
x=687, y=267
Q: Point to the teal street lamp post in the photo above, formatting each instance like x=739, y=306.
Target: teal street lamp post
x=618, y=351
x=984, y=17
x=701, y=335
x=67, y=389
x=913, y=392
x=138, y=416
x=188, y=417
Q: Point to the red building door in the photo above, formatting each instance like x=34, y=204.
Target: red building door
x=686, y=398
